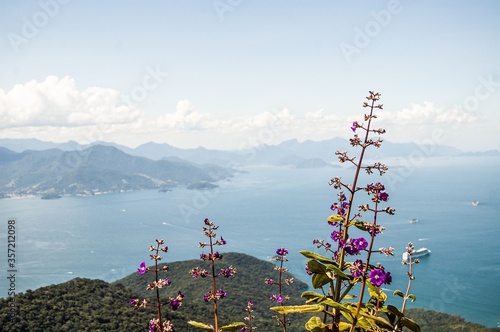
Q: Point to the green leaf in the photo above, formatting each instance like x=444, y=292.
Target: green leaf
x=376, y=292
x=316, y=256
x=312, y=296
x=398, y=293
x=315, y=324
x=233, y=326
x=335, y=218
x=322, y=299
x=290, y=309
x=338, y=272
x=412, y=297
x=393, y=310
x=201, y=325
x=316, y=267
x=319, y=280
x=344, y=326
x=381, y=321
x=410, y=324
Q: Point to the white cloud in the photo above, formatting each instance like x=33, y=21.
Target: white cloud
x=186, y=118
x=58, y=102
x=426, y=113
x=56, y=110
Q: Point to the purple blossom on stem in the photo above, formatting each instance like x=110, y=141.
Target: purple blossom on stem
x=336, y=236
x=360, y=243
x=379, y=277
x=221, y=294
x=278, y=298
x=142, y=268
x=177, y=302
x=282, y=251
x=308, y=271
x=383, y=196
x=357, y=268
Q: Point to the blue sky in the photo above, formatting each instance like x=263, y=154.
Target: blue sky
x=230, y=74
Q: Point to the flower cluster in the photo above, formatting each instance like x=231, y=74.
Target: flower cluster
x=280, y=257
x=219, y=294
x=212, y=256
x=249, y=318
x=157, y=324
x=379, y=276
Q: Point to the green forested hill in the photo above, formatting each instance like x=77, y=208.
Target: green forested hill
x=247, y=285
x=95, y=305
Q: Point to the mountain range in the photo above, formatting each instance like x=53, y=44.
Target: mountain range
x=34, y=167
x=96, y=169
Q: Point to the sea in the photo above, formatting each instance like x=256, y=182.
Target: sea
x=264, y=208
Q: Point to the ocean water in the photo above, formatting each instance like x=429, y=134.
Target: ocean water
x=107, y=236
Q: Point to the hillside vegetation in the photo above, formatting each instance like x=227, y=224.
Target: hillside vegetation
x=98, y=306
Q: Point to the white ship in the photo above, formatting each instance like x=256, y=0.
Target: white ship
x=416, y=253
x=475, y=203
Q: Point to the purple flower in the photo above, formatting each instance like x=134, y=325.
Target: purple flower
x=308, y=271
x=351, y=250
x=383, y=196
x=335, y=236
x=221, y=294
x=207, y=296
x=152, y=326
x=222, y=240
x=360, y=243
x=354, y=126
x=228, y=272
x=276, y=298
x=269, y=281
x=356, y=268
x=379, y=277
x=175, y=304
x=282, y=251
x=142, y=268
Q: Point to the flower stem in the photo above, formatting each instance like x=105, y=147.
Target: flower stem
x=345, y=234
x=214, y=285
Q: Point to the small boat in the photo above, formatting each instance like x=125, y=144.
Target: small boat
x=416, y=253
x=475, y=203
x=413, y=221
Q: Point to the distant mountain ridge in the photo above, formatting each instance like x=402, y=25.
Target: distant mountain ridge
x=288, y=153
x=33, y=167
x=93, y=170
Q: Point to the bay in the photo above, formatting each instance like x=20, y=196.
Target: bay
x=107, y=236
